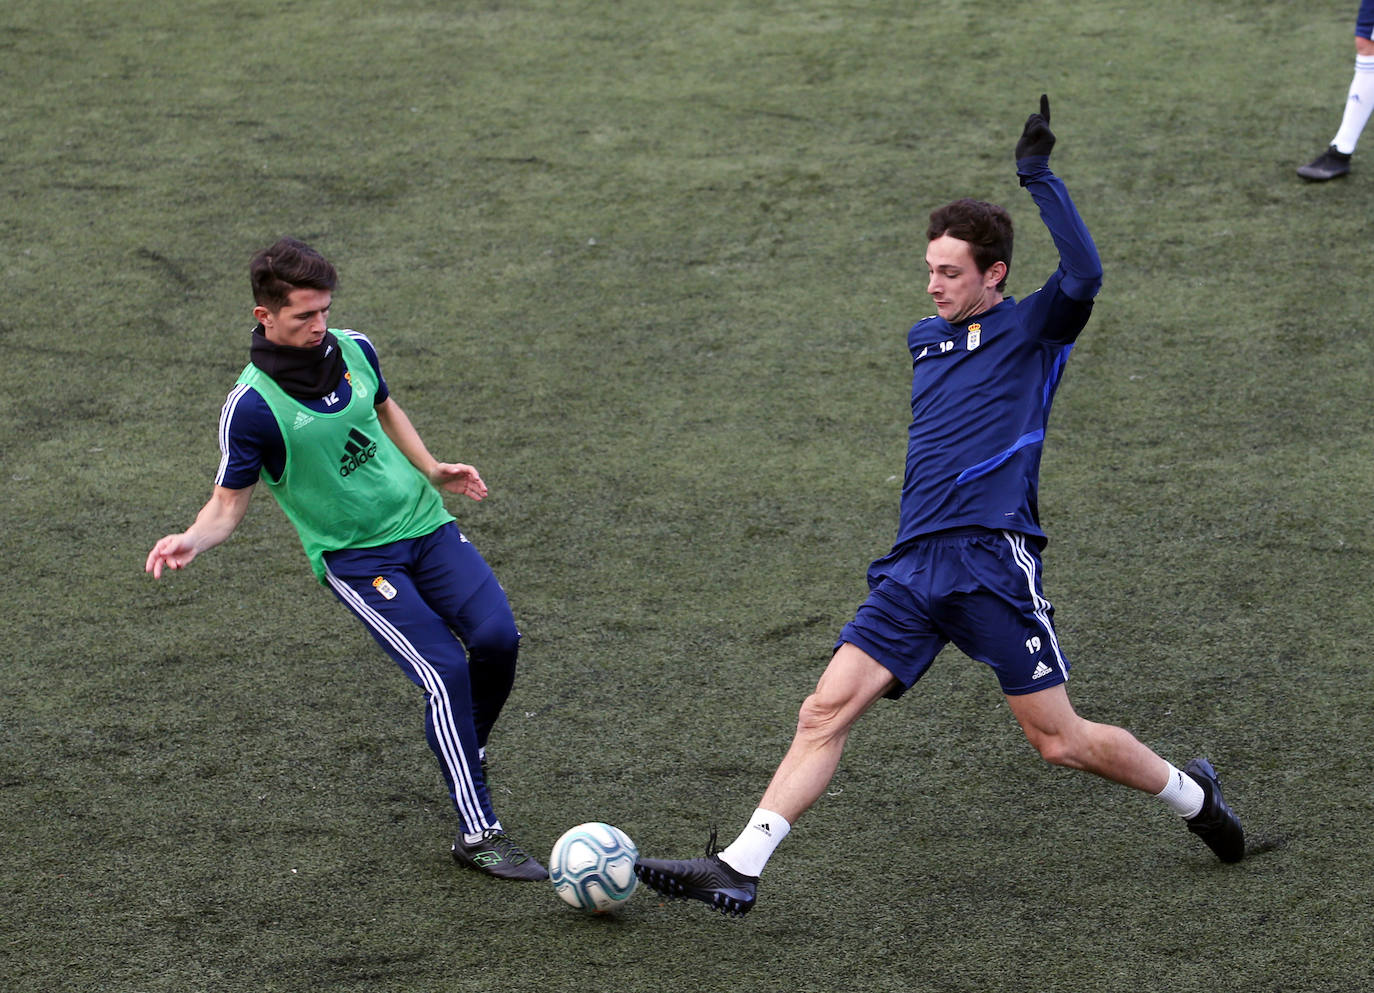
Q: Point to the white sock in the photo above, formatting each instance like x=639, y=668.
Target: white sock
x=750, y=852
x=473, y=839
x=1183, y=795
x=1358, y=105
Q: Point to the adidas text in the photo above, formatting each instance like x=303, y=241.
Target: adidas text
x=358, y=451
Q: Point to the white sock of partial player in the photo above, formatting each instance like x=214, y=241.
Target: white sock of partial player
x=750, y=852
x=1183, y=795
x=472, y=839
x=1358, y=105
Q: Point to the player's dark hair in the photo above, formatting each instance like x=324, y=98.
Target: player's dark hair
x=985, y=226
x=288, y=265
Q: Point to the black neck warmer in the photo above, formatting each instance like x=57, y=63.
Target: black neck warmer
x=304, y=373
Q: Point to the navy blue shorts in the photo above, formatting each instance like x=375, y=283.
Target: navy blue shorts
x=978, y=589
x=1364, y=20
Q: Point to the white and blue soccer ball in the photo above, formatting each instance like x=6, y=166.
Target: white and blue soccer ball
x=593, y=867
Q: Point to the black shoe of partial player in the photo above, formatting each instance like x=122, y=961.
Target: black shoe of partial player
x=1215, y=823
x=1328, y=165
x=707, y=879
x=497, y=855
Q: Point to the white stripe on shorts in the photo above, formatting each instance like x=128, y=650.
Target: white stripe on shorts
x=1026, y=561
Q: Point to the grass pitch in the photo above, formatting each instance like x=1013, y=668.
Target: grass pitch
x=650, y=266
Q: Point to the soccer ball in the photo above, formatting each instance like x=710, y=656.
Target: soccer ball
x=593, y=867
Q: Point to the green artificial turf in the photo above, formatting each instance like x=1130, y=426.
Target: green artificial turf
x=650, y=266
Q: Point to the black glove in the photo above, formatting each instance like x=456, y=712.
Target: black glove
x=1037, y=138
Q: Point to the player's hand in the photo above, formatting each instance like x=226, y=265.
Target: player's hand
x=173, y=552
x=458, y=478
x=1037, y=138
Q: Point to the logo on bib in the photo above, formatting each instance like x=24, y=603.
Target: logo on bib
x=359, y=449
x=359, y=390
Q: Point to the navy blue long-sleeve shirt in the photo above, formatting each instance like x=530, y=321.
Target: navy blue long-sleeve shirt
x=981, y=389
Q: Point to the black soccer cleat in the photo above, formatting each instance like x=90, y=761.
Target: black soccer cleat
x=497, y=855
x=1215, y=823
x=1330, y=164
x=707, y=879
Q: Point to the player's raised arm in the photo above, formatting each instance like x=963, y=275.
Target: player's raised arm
x=215, y=522
x=1078, y=258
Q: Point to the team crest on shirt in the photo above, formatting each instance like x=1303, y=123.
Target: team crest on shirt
x=975, y=336
x=359, y=390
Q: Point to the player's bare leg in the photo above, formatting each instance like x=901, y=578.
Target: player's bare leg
x=728, y=880
x=1064, y=738
x=851, y=683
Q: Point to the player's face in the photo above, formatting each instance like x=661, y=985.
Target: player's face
x=299, y=324
x=959, y=290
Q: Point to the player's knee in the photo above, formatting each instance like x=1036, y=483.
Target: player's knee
x=1073, y=748
x=1055, y=749
x=820, y=717
x=495, y=640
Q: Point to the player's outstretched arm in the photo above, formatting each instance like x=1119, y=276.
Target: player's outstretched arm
x=1078, y=258
x=455, y=477
x=215, y=522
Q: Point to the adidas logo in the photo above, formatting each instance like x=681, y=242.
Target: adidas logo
x=302, y=419
x=1041, y=671
x=358, y=451
x=766, y=828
